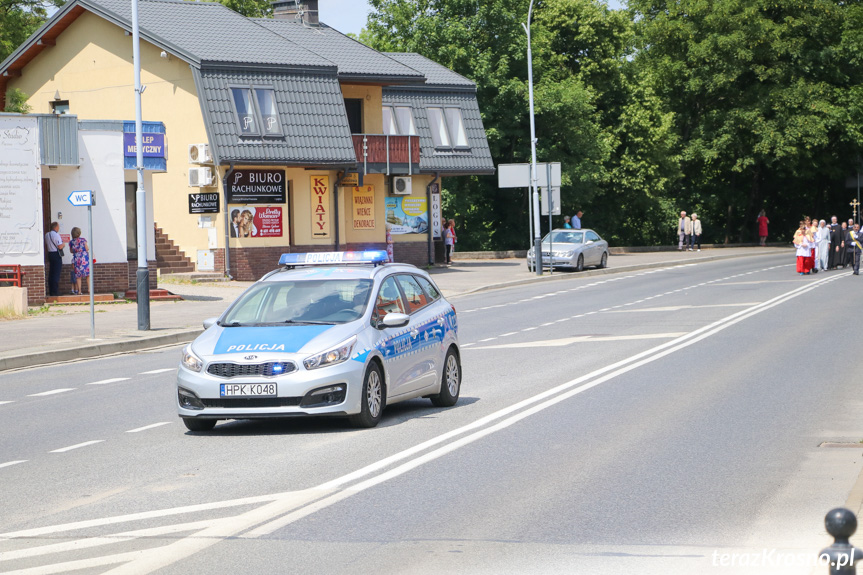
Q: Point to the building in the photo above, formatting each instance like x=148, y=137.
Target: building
x=265, y=135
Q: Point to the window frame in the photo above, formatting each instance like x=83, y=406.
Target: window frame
x=252, y=90
x=400, y=130
x=452, y=146
x=376, y=317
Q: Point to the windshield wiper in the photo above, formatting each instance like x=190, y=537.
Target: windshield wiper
x=232, y=324
x=308, y=322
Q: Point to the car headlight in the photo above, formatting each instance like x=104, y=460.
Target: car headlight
x=332, y=356
x=564, y=254
x=191, y=361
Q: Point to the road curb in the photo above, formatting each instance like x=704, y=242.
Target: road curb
x=97, y=350
x=609, y=270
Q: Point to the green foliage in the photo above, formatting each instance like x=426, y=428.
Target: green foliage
x=16, y=101
x=19, y=19
x=249, y=8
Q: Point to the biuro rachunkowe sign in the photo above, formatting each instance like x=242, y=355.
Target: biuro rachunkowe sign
x=204, y=203
x=257, y=187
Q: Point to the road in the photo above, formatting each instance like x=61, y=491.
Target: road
x=652, y=422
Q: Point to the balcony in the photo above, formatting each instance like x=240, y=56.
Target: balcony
x=385, y=154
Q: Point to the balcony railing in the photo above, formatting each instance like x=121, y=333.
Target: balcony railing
x=381, y=153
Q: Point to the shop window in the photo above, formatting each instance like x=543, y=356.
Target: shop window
x=255, y=110
x=60, y=107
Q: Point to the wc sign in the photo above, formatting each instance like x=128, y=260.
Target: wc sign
x=81, y=198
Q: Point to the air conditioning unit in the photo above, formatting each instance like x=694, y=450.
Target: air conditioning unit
x=200, y=177
x=200, y=154
x=401, y=185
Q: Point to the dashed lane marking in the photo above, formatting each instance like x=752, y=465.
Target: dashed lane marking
x=112, y=380
x=154, y=371
x=582, y=339
x=152, y=426
x=11, y=463
x=71, y=447
x=52, y=392
x=680, y=307
x=5, y=402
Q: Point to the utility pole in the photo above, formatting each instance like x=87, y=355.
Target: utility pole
x=537, y=241
x=142, y=277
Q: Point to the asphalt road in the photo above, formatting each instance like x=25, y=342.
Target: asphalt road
x=653, y=422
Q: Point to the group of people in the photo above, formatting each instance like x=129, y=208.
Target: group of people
x=825, y=246
x=242, y=225
x=80, y=259
x=574, y=222
x=688, y=232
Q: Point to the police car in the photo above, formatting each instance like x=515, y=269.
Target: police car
x=337, y=333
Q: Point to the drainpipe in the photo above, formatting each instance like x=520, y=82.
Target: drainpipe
x=341, y=177
x=227, y=221
x=429, y=204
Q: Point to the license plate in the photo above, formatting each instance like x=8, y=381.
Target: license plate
x=248, y=390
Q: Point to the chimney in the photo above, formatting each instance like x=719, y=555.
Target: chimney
x=305, y=11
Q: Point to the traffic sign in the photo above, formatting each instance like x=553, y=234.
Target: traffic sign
x=81, y=198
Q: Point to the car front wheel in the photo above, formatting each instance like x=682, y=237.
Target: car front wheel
x=450, y=385
x=372, y=403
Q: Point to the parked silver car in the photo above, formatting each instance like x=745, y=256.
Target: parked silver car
x=571, y=249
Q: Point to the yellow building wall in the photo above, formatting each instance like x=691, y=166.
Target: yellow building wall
x=91, y=66
x=372, y=97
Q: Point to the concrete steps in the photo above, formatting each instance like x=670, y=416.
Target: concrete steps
x=74, y=299
x=169, y=256
x=198, y=277
x=155, y=295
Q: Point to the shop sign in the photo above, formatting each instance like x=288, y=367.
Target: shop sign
x=351, y=180
x=21, y=240
x=154, y=145
x=257, y=187
x=320, y=206
x=408, y=215
x=256, y=221
x=364, y=208
x=203, y=203
x=436, y=221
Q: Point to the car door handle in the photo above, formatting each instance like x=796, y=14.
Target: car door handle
x=440, y=321
x=414, y=333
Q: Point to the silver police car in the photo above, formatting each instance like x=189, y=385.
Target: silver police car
x=337, y=333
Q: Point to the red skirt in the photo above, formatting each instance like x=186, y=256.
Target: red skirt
x=801, y=264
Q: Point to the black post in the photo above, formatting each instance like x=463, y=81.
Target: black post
x=841, y=524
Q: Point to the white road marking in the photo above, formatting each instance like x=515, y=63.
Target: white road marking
x=146, y=427
x=165, y=370
x=71, y=447
x=5, y=402
x=583, y=338
x=112, y=380
x=488, y=339
x=507, y=334
x=11, y=463
x=466, y=344
x=52, y=392
x=681, y=307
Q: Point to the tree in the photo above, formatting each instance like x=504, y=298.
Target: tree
x=16, y=102
x=250, y=8
x=19, y=19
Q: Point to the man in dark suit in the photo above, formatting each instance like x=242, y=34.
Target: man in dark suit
x=235, y=223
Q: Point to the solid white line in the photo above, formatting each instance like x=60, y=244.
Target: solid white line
x=165, y=370
x=11, y=463
x=112, y=380
x=52, y=392
x=71, y=447
x=146, y=427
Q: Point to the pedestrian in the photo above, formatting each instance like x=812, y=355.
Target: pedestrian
x=801, y=242
x=822, y=239
x=682, y=224
x=762, y=228
x=835, y=241
x=566, y=224
x=812, y=226
x=80, y=259
x=695, y=236
x=842, y=255
x=576, y=220
x=449, y=239
x=54, y=245
x=856, y=248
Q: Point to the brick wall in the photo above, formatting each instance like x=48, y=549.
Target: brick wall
x=35, y=282
x=107, y=278
x=132, y=275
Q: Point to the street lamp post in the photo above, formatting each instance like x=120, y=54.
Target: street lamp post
x=142, y=277
x=537, y=242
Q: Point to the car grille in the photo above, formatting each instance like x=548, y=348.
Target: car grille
x=267, y=369
x=251, y=402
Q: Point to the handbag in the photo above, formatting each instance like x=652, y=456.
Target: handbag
x=61, y=252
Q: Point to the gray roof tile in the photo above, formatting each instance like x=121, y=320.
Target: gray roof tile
x=436, y=74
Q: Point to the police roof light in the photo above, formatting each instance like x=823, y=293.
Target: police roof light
x=331, y=258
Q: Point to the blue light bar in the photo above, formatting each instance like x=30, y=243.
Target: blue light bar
x=332, y=258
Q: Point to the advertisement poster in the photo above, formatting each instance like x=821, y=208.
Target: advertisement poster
x=436, y=221
x=204, y=203
x=257, y=187
x=20, y=192
x=256, y=221
x=407, y=215
x=320, y=206
x=364, y=208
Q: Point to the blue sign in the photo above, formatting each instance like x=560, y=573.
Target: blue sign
x=81, y=198
x=154, y=145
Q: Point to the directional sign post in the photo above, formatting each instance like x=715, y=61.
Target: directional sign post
x=85, y=198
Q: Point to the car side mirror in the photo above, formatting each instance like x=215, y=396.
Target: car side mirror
x=210, y=321
x=589, y=242
x=395, y=320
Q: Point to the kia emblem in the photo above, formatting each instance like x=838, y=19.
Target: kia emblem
x=251, y=357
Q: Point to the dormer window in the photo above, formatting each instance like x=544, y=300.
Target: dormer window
x=447, y=128
x=399, y=120
x=256, y=113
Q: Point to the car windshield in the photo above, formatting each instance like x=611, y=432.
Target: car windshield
x=564, y=237
x=300, y=302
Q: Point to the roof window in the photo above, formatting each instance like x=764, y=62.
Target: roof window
x=399, y=120
x=256, y=112
x=447, y=128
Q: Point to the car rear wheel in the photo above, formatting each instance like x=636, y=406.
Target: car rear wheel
x=372, y=404
x=195, y=424
x=603, y=263
x=450, y=385
x=579, y=265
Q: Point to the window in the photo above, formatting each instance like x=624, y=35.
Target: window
x=455, y=123
x=591, y=236
x=389, y=299
x=429, y=288
x=60, y=107
x=399, y=120
x=131, y=221
x=438, y=128
x=447, y=127
x=354, y=110
x=256, y=114
x=413, y=292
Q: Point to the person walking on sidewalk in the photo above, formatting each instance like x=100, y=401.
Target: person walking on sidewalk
x=449, y=239
x=80, y=259
x=566, y=224
x=683, y=224
x=54, y=245
x=762, y=228
x=695, y=236
x=576, y=220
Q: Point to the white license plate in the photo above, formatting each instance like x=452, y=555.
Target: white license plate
x=248, y=390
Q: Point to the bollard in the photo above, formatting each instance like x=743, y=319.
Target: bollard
x=841, y=524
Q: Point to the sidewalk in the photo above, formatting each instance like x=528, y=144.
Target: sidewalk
x=62, y=332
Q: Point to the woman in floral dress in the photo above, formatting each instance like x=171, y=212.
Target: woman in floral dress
x=80, y=259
